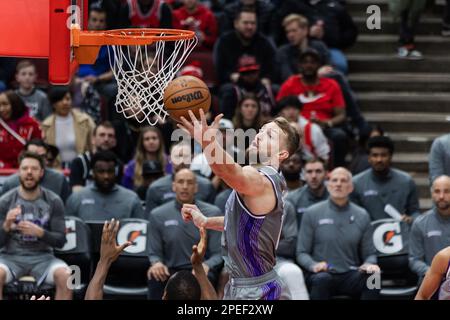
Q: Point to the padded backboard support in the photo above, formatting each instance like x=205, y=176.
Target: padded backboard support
x=39, y=29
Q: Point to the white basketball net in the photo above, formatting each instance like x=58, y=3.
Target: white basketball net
x=143, y=72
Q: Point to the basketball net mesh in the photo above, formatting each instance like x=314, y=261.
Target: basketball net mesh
x=143, y=72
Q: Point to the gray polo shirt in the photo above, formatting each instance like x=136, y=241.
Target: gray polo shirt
x=91, y=204
x=302, y=198
x=373, y=193
x=439, y=158
x=47, y=211
x=160, y=191
x=430, y=233
x=171, y=239
x=341, y=236
x=289, y=233
x=52, y=180
x=222, y=198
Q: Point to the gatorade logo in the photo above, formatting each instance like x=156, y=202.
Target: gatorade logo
x=136, y=233
x=387, y=238
x=197, y=95
x=71, y=236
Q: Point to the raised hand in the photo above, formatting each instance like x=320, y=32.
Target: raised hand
x=109, y=250
x=199, y=129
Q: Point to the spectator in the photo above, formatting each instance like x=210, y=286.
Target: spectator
x=439, y=158
x=152, y=170
x=6, y=71
x=330, y=22
x=291, y=170
x=105, y=199
x=437, y=279
x=103, y=139
x=286, y=268
x=35, y=99
x=263, y=10
x=315, y=172
x=360, y=157
x=408, y=12
x=146, y=14
x=99, y=75
x=52, y=180
x=112, y=9
x=248, y=114
x=382, y=186
x=244, y=40
x=160, y=191
x=335, y=244
x=198, y=18
x=322, y=101
x=249, y=82
x=431, y=231
x=296, y=28
x=68, y=129
x=32, y=220
x=16, y=127
x=171, y=239
x=150, y=146
x=315, y=144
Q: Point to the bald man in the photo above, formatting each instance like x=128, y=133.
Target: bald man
x=430, y=233
x=335, y=244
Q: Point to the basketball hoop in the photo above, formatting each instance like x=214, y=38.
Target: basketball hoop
x=143, y=61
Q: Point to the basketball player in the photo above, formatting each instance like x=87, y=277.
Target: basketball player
x=254, y=210
x=437, y=278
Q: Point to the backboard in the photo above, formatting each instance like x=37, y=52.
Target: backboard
x=41, y=29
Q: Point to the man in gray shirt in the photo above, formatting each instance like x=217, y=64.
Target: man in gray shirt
x=52, y=179
x=439, y=159
x=313, y=192
x=105, y=199
x=430, y=233
x=382, y=189
x=160, y=191
x=31, y=225
x=171, y=240
x=335, y=244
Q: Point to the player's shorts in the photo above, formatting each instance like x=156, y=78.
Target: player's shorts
x=269, y=286
x=41, y=267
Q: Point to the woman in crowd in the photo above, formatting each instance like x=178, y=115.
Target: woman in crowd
x=68, y=129
x=150, y=146
x=16, y=128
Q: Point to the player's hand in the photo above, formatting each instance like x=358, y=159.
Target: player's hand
x=109, y=250
x=199, y=129
x=11, y=217
x=159, y=272
x=190, y=212
x=369, y=268
x=29, y=228
x=407, y=219
x=320, y=267
x=199, y=250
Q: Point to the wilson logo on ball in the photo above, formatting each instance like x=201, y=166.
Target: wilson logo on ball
x=197, y=95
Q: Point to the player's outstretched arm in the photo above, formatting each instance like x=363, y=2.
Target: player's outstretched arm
x=433, y=277
x=190, y=212
x=245, y=180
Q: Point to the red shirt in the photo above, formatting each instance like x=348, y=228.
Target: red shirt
x=10, y=147
x=321, y=98
x=205, y=21
x=140, y=20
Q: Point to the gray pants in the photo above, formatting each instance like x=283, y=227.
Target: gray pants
x=269, y=286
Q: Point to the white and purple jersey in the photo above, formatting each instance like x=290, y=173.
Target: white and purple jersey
x=444, y=289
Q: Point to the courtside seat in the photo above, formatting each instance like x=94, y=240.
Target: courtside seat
x=127, y=277
x=77, y=252
x=391, y=239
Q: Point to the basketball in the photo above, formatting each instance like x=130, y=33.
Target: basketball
x=186, y=93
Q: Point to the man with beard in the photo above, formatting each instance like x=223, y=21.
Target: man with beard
x=254, y=211
x=430, y=233
x=105, y=199
x=381, y=186
x=32, y=224
x=322, y=101
x=291, y=169
x=315, y=173
x=52, y=179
